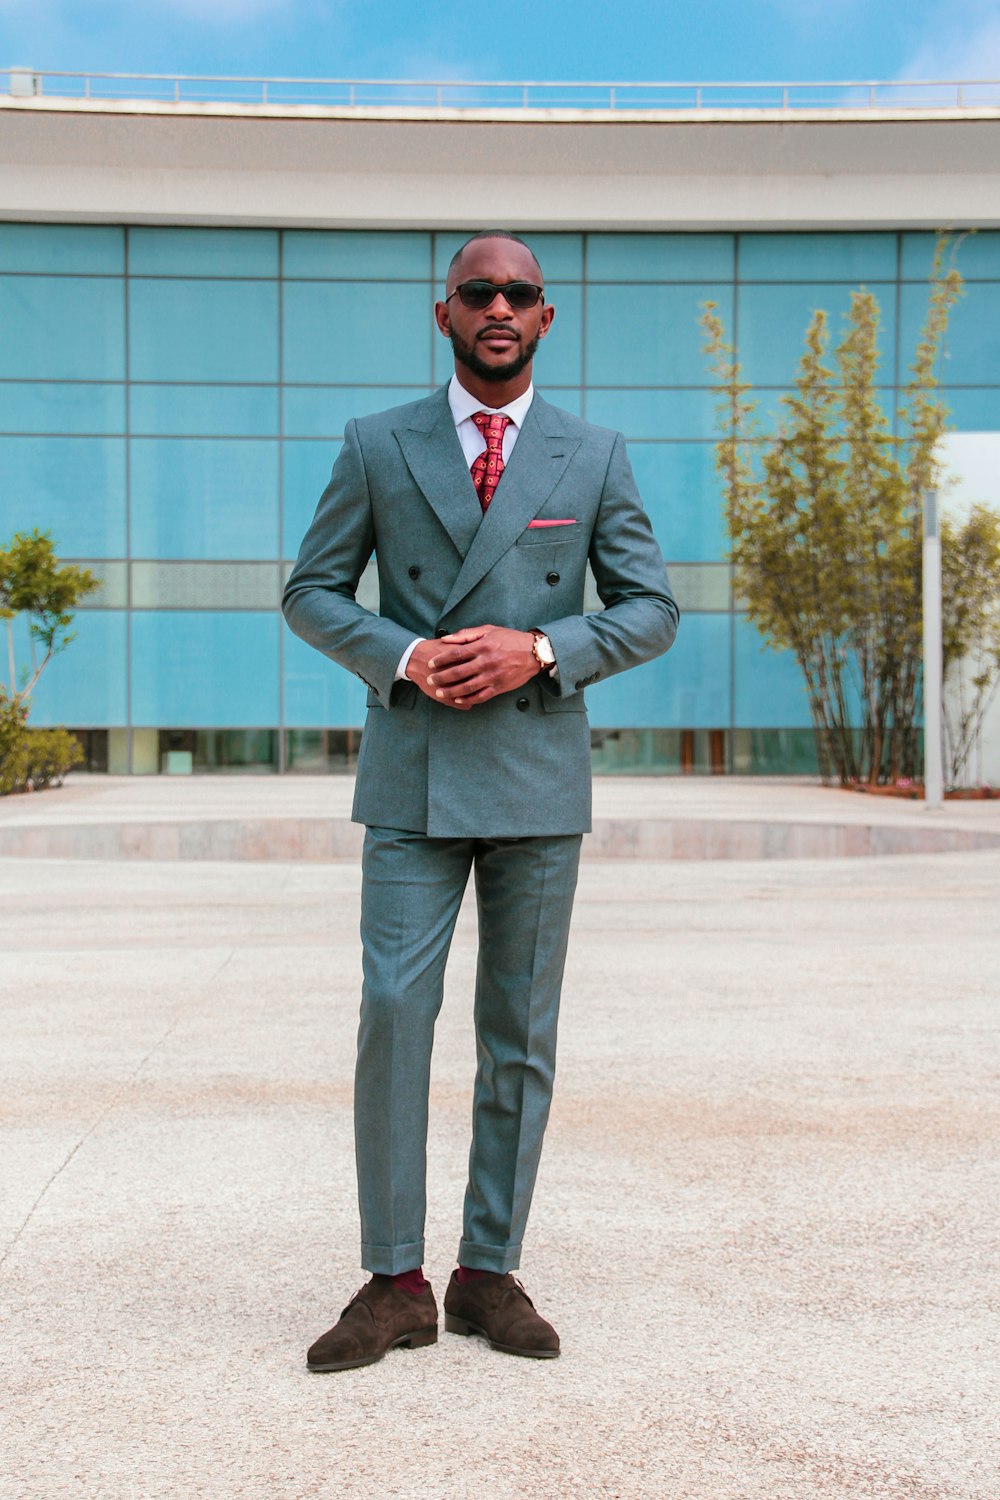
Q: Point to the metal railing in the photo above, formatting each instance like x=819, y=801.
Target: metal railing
x=452, y=94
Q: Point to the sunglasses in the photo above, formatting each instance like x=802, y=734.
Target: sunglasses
x=519, y=295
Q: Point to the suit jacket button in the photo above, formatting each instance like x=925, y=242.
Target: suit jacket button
x=413, y=570
x=579, y=685
x=440, y=631
x=552, y=578
x=523, y=704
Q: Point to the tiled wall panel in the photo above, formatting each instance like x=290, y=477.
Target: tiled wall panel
x=172, y=401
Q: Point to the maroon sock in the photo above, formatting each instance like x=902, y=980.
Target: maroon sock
x=411, y=1281
x=466, y=1273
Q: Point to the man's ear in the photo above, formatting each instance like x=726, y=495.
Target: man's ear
x=442, y=318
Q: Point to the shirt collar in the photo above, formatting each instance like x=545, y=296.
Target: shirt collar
x=463, y=404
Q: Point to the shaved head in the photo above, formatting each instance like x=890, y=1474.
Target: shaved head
x=488, y=234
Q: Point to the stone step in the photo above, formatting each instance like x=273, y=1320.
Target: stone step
x=325, y=839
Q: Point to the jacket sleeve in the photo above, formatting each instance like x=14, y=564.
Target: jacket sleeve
x=320, y=601
x=640, y=615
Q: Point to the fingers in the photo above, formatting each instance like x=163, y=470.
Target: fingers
x=471, y=688
x=463, y=637
x=450, y=676
x=452, y=656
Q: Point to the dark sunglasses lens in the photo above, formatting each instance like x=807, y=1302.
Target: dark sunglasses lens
x=521, y=294
x=479, y=294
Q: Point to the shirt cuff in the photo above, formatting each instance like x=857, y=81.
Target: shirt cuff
x=404, y=660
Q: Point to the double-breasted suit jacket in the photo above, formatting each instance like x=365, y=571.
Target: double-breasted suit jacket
x=519, y=764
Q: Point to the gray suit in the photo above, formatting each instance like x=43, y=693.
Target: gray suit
x=503, y=789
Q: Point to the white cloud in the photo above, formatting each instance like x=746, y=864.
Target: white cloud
x=959, y=42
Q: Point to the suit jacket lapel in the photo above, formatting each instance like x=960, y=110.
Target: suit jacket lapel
x=434, y=457
x=537, y=463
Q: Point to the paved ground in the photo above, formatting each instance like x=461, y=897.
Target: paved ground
x=765, y=1224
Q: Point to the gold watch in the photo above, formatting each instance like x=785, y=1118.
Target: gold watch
x=541, y=650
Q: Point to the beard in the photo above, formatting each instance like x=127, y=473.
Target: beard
x=467, y=356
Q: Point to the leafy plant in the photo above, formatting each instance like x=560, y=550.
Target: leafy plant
x=970, y=585
x=825, y=526
x=33, y=582
x=14, y=756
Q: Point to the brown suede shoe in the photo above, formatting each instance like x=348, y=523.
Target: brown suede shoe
x=500, y=1309
x=377, y=1318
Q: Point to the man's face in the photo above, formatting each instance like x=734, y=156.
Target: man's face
x=496, y=342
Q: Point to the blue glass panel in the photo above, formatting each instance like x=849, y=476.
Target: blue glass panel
x=61, y=328
x=324, y=411
x=306, y=474
x=45, y=406
x=357, y=332
x=79, y=249
x=686, y=689
x=566, y=398
x=817, y=257
x=681, y=491
x=971, y=349
x=650, y=335
x=654, y=414
x=72, y=487
x=203, y=252
x=769, y=693
x=559, y=360
x=359, y=255
x=774, y=320
x=196, y=330
x=659, y=257
x=204, y=497
x=84, y=686
x=977, y=256
x=560, y=255
x=972, y=410
x=318, y=693
x=205, y=410
x=196, y=669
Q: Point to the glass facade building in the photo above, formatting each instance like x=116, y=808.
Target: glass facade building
x=172, y=400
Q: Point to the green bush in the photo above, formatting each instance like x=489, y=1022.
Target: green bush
x=52, y=754
x=14, y=734
x=32, y=758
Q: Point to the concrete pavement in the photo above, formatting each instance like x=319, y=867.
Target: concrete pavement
x=765, y=1224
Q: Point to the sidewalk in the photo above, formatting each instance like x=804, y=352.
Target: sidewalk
x=308, y=818
x=765, y=1224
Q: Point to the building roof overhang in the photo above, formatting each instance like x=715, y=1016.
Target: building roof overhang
x=397, y=166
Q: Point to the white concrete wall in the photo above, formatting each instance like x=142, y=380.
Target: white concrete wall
x=215, y=164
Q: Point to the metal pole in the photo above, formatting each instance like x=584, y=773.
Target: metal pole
x=933, y=769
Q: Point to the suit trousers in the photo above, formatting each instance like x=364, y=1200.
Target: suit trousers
x=412, y=888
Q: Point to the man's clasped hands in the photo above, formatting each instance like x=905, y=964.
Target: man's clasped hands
x=473, y=665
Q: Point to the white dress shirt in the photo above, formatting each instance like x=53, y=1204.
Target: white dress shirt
x=463, y=404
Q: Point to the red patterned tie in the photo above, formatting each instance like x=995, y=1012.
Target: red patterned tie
x=488, y=466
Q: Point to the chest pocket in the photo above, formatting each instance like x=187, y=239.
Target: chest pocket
x=550, y=536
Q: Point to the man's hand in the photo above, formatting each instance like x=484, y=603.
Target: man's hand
x=473, y=665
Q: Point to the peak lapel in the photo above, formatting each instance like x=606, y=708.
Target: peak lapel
x=536, y=466
x=434, y=457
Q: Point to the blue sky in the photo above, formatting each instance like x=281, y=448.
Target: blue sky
x=668, y=40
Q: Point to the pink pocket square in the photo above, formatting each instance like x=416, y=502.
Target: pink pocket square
x=571, y=521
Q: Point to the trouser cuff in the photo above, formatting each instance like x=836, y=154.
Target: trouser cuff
x=391, y=1260
x=499, y=1258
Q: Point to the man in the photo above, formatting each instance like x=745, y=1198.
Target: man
x=483, y=505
